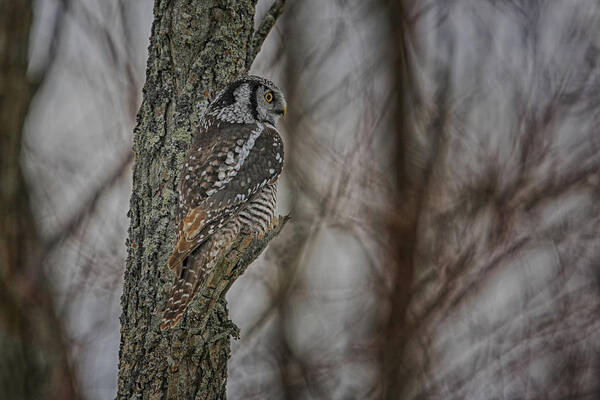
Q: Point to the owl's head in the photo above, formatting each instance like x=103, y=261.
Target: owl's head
x=249, y=99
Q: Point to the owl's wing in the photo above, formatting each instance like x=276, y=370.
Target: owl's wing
x=227, y=166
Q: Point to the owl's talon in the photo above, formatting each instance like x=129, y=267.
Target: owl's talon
x=274, y=222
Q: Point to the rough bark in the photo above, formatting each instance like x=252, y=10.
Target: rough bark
x=196, y=47
x=33, y=361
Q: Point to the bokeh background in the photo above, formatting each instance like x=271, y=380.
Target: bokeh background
x=442, y=174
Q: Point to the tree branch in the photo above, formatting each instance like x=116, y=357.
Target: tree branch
x=263, y=30
x=244, y=251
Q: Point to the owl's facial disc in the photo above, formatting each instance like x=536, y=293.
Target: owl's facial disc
x=270, y=104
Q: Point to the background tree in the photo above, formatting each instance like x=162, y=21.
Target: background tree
x=34, y=362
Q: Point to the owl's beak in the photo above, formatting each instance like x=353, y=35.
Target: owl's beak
x=282, y=111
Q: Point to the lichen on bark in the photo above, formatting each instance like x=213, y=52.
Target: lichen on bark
x=196, y=47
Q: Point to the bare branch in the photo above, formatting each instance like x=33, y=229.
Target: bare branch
x=243, y=253
x=263, y=30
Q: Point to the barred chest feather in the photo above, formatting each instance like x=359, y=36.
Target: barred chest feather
x=259, y=212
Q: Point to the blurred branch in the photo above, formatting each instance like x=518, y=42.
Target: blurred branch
x=40, y=76
x=89, y=205
x=287, y=284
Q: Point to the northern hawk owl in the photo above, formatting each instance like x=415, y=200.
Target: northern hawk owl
x=228, y=183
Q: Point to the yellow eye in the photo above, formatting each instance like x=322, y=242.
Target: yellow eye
x=269, y=97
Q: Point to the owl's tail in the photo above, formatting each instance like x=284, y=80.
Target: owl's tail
x=194, y=268
x=184, y=288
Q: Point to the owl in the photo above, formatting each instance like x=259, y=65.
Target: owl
x=228, y=183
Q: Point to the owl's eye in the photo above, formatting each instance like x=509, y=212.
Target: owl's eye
x=269, y=97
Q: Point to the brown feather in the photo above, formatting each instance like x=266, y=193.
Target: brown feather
x=189, y=238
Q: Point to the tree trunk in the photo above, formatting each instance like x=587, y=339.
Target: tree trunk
x=196, y=47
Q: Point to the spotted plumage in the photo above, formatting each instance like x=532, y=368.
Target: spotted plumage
x=228, y=183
